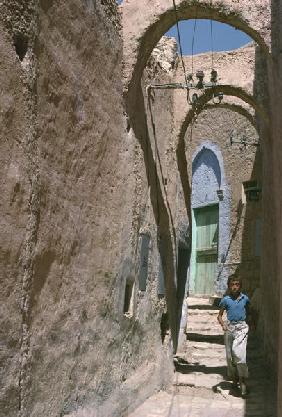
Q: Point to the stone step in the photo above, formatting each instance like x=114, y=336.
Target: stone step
x=194, y=357
x=202, y=318
x=211, y=338
x=192, y=392
x=198, y=301
x=202, y=312
x=194, y=327
x=204, y=348
x=198, y=379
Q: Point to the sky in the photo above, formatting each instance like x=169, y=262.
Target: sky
x=225, y=37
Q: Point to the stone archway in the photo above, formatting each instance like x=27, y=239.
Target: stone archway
x=143, y=30
x=234, y=107
x=192, y=112
x=227, y=90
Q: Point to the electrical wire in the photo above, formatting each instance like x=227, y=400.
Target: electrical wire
x=180, y=49
x=193, y=43
x=212, y=50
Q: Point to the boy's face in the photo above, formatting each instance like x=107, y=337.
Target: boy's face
x=234, y=287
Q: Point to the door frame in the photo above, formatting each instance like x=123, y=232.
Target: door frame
x=192, y=280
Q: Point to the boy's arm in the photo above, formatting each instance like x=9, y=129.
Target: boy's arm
x=220, y=319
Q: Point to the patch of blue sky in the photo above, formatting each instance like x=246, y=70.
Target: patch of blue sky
x=225, y=37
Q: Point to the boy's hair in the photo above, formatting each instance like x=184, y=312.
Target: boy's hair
x=234, y=277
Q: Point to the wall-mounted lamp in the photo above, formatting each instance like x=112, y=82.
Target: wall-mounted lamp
x=219, y=194
x=252, y=190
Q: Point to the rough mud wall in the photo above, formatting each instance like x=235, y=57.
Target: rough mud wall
x=69, y=220
x=19, y=183
x=86, y=247
x=212, y=128
x=15, y=191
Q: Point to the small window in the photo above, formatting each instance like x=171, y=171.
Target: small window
x=128, y=299
x=144, y=261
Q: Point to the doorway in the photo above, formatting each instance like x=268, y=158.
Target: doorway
x=206, y=249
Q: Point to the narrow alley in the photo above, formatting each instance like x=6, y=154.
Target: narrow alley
x=140, y=176
x=199, y=388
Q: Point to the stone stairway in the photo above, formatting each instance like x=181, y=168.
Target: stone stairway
x=199, y=388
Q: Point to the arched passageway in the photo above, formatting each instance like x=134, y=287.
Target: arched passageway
x=203, y=103
x=141, y=33
x=201, y=364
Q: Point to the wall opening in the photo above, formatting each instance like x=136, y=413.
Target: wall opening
x=128, y=299
x=182, y=269
x=144, y=260
x=206, y=249
x=21, y=45
x=210, y=205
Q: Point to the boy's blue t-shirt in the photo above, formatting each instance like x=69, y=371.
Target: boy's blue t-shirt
x=236, y=309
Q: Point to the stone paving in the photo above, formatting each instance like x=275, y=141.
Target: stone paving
x=199, y=388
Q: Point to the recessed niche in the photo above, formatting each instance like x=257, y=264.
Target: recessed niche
x=144, y=261
x=128, y=299
x=21, y=45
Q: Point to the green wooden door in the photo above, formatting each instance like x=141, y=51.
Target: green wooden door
x=206, y=249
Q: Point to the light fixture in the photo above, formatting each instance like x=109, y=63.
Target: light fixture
x=214, y=76
x=252, y=190
x=219, y=194
x=200, y=76
x=220, y=97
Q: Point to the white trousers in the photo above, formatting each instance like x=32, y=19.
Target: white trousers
x=235, y=339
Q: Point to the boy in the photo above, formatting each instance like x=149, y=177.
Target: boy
x=236, y=304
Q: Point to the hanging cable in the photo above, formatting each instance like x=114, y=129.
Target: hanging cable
x=212, y=51
x=180, y=49
x=193, y=43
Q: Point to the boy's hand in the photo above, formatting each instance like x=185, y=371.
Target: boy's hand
x=224, y=327
x=220, y=320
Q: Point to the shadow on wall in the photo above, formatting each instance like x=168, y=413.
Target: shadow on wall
x=139, y=123
x=258, y=266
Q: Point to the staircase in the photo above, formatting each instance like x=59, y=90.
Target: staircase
x=199, y=387
x=202, y=364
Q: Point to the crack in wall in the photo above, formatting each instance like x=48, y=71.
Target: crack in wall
x=28, y=30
